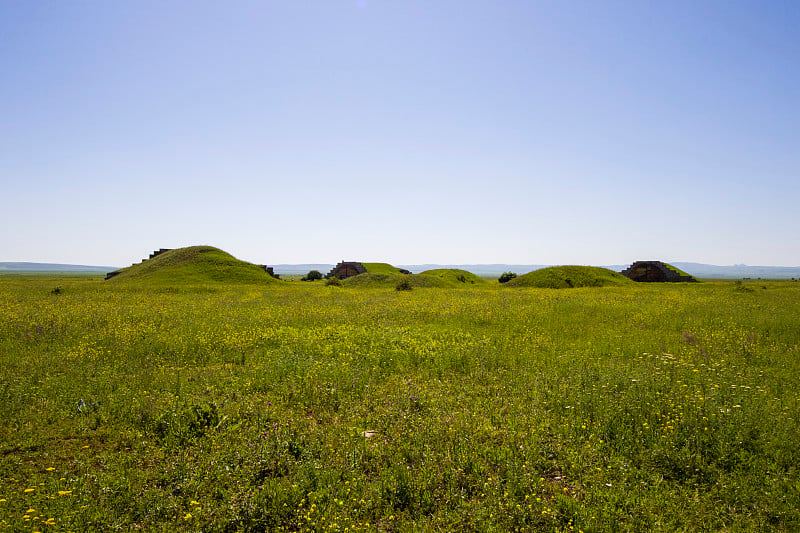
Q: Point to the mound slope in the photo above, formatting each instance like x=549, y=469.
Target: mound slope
x=348, y=269
x=454, y=277
x=382, y=268
x=194, y=264
x=564, y=277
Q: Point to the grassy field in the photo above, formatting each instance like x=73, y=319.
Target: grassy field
x=302, y=407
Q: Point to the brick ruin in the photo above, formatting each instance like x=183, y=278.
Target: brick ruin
x=654, y=271
x=346, y=269
x=271, y=272
x=158, y=252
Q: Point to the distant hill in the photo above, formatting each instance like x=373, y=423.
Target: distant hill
x=56, y=268
x=702, y=271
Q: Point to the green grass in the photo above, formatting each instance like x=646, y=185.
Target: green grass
x=301, y=407
x=381, y=268
x=455, y=277
x=563, y=277
x=369, y=280
x=195, y=264
x=439, y=278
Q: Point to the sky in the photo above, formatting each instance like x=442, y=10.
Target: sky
x=450, y=132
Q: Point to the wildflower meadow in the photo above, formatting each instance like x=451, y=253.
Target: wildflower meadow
x=306, y=407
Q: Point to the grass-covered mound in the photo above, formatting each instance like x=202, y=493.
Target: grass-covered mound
x=381, y=268
x=369, y=280
x=383, y=275
x=454, y=277
x=564, y=277
x=195, y=264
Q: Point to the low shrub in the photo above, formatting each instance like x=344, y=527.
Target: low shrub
x=506, y=276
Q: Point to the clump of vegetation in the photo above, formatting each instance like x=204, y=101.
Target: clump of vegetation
x=333, y=281
x=506, y=277
x=404, y=285
x=177, y=426
x=312, y=275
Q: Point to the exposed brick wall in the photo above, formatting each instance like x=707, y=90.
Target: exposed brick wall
x=654, y=271
x=346, y=269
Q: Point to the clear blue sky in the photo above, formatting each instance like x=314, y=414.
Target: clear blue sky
x=542, y=132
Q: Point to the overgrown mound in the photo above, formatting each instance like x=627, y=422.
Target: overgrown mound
x=454, y=277
x=195, y=264
x=381, y=268
x=657, y=271
x=564, y=277
x=369, y=280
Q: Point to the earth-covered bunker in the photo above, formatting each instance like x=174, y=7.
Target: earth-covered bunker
x=656, y=271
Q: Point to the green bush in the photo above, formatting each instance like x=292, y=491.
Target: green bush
x=404, y=285
x=333, y=281
x=312, y=275
x=506, y=276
